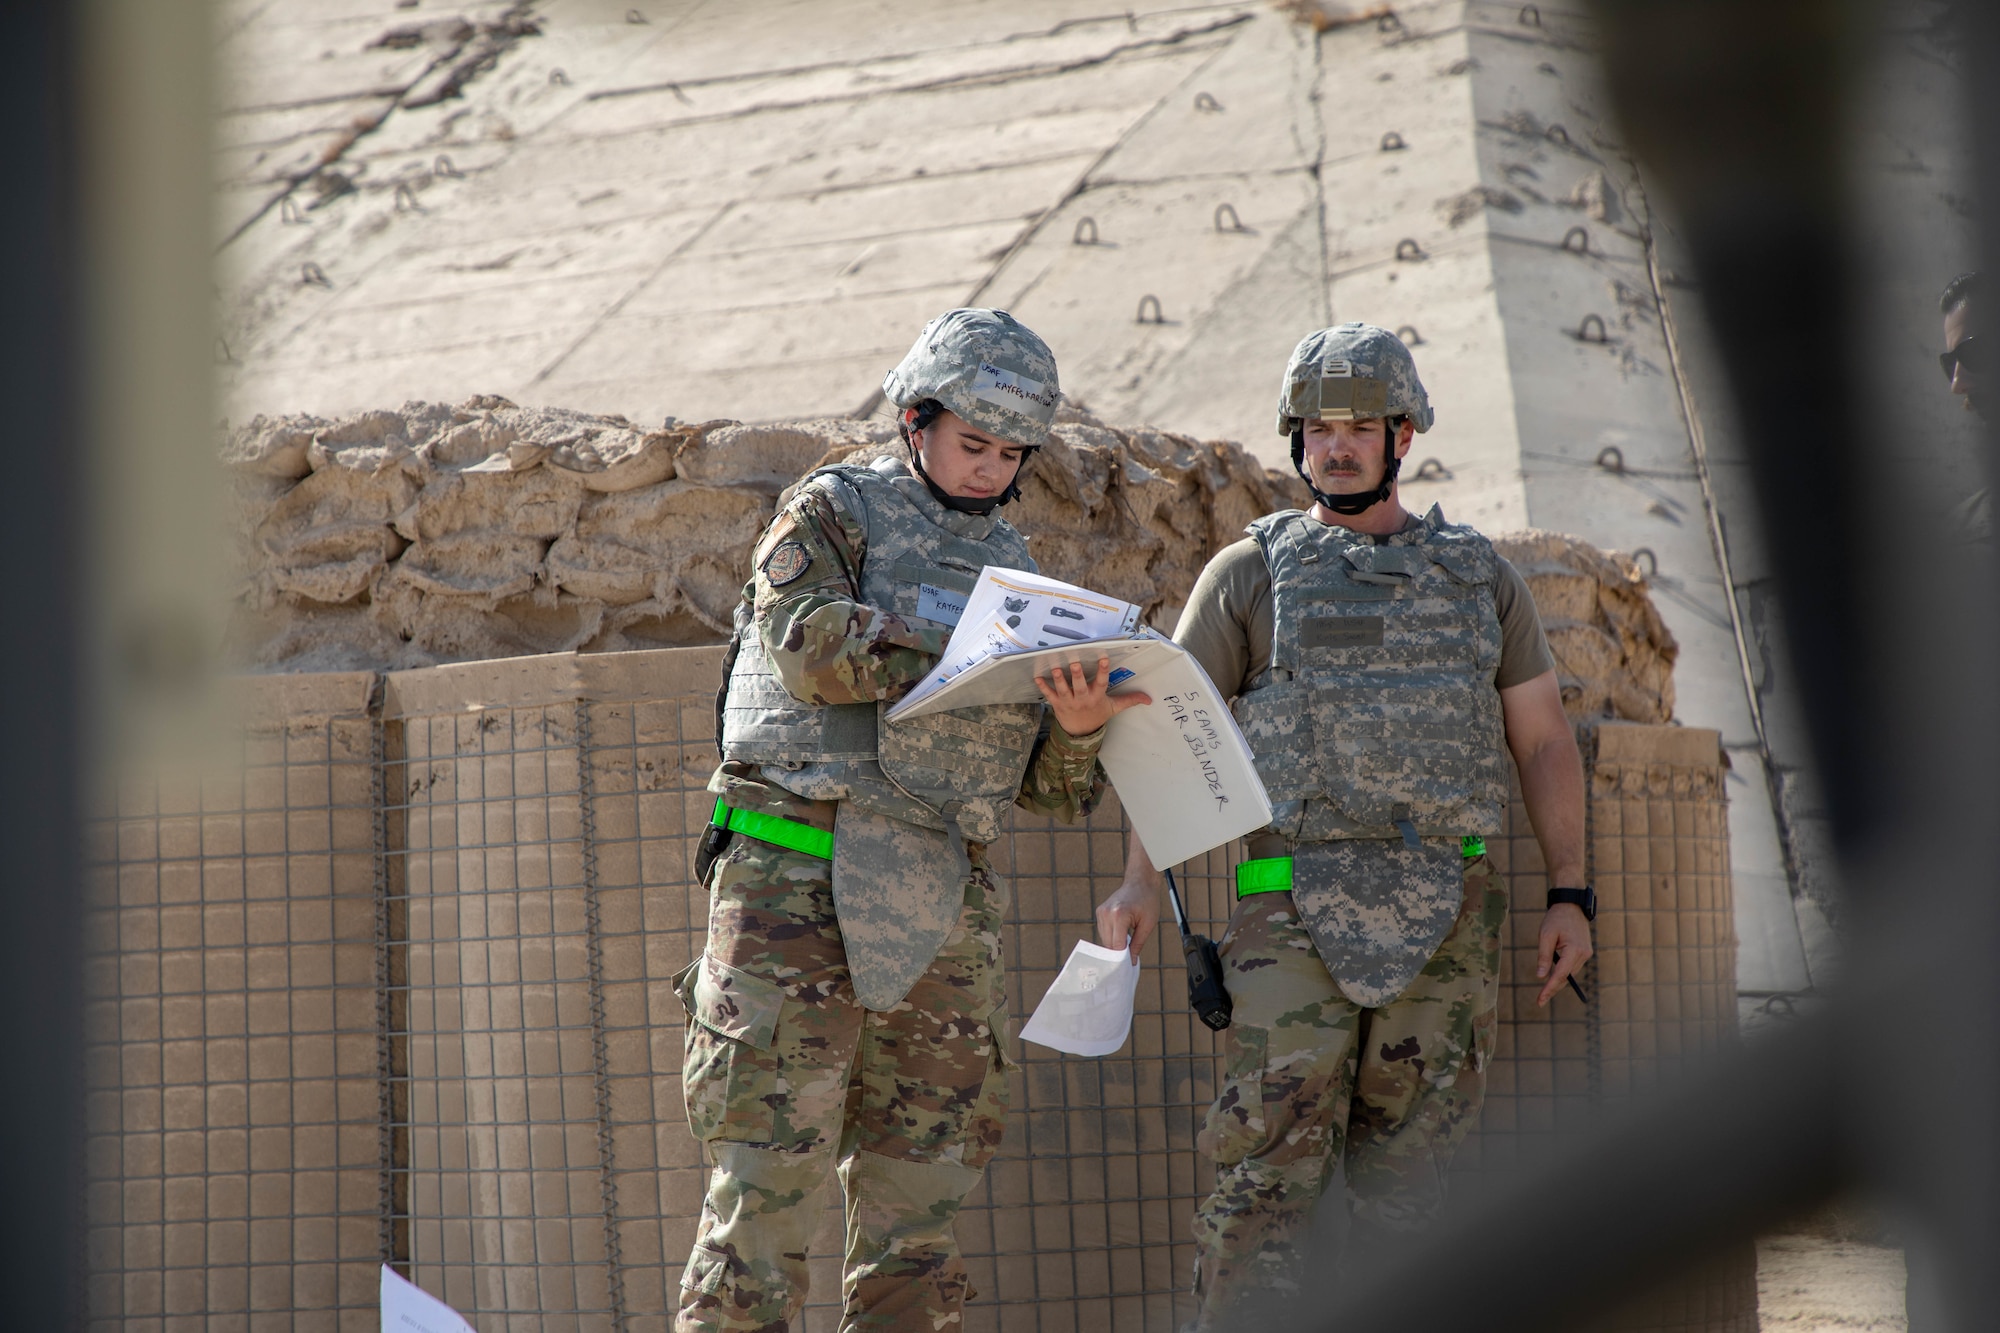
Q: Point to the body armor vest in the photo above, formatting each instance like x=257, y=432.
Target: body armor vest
x=1378, y=716
x=961, y=768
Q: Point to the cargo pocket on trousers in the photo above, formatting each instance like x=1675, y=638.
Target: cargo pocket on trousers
x=1235, y=1124
x=706, y=1270
x=729, y=1074
x=987, y=1122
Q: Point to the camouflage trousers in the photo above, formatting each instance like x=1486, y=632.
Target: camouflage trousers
x=790, y=1081
x=1318, y=1087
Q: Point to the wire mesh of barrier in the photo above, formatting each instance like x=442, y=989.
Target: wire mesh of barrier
x=399, y=990
x=1082, y=1222
x=234, y=1105
x=1662, y=986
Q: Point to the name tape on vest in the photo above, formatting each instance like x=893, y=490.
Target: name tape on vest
x=940, y=604
x=1342, y=632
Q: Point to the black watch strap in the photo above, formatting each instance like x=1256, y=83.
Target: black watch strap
x=1585, y=897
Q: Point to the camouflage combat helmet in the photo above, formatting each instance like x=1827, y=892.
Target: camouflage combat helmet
x=1351, y=372
x=987, y=367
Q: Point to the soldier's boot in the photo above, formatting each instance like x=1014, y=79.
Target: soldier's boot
x=903, y=1273
x=748, y=1268
x=1247, y=1234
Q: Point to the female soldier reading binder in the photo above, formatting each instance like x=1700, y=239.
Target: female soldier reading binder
x=848, y=1013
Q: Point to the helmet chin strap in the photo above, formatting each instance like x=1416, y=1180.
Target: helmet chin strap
x=1355, y=502
x=960, y=503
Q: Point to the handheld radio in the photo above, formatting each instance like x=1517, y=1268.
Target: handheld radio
x=1206, y=992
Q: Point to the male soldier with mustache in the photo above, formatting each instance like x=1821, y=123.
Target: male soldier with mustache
x=1384, y=667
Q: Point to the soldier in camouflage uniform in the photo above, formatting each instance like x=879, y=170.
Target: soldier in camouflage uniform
x=848, y=1014
x=1383, y=667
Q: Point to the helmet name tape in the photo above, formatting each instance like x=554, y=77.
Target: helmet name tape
x=1004, y=388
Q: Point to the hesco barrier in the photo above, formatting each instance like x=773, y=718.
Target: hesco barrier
x=397, y=991
x=1662, y=985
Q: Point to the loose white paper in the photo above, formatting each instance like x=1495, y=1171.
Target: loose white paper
x=1012, y=611
x=1088, y=1008
x=408, y=1308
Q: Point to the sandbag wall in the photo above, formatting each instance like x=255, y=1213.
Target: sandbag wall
x=399, y=991
x=433, y=534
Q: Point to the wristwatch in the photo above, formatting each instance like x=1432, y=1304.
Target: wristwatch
x=1585, y=897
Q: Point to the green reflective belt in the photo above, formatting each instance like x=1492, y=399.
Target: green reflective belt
x=1273, y=874
x=1270, y=874
x=775, y=829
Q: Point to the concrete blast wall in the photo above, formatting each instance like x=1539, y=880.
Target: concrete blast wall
x=398, y=990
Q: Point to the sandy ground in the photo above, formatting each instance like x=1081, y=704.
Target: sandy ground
x=1813, y=1284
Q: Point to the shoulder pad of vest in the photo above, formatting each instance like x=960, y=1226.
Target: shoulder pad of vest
x=1466, y=552
x=1257, y=527
x=1435, y=520
x=840, y=484
x=847, y=472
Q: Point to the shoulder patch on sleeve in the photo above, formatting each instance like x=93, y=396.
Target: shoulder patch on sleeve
x=786, y=523
x=787, y=561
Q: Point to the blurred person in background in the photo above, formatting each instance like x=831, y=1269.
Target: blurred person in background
x=1972, y=518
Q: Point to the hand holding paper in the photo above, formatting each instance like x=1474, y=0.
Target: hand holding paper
x=1183, y=771
x=1012, y=611
x=1088, y=1009
x=1083, y=704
